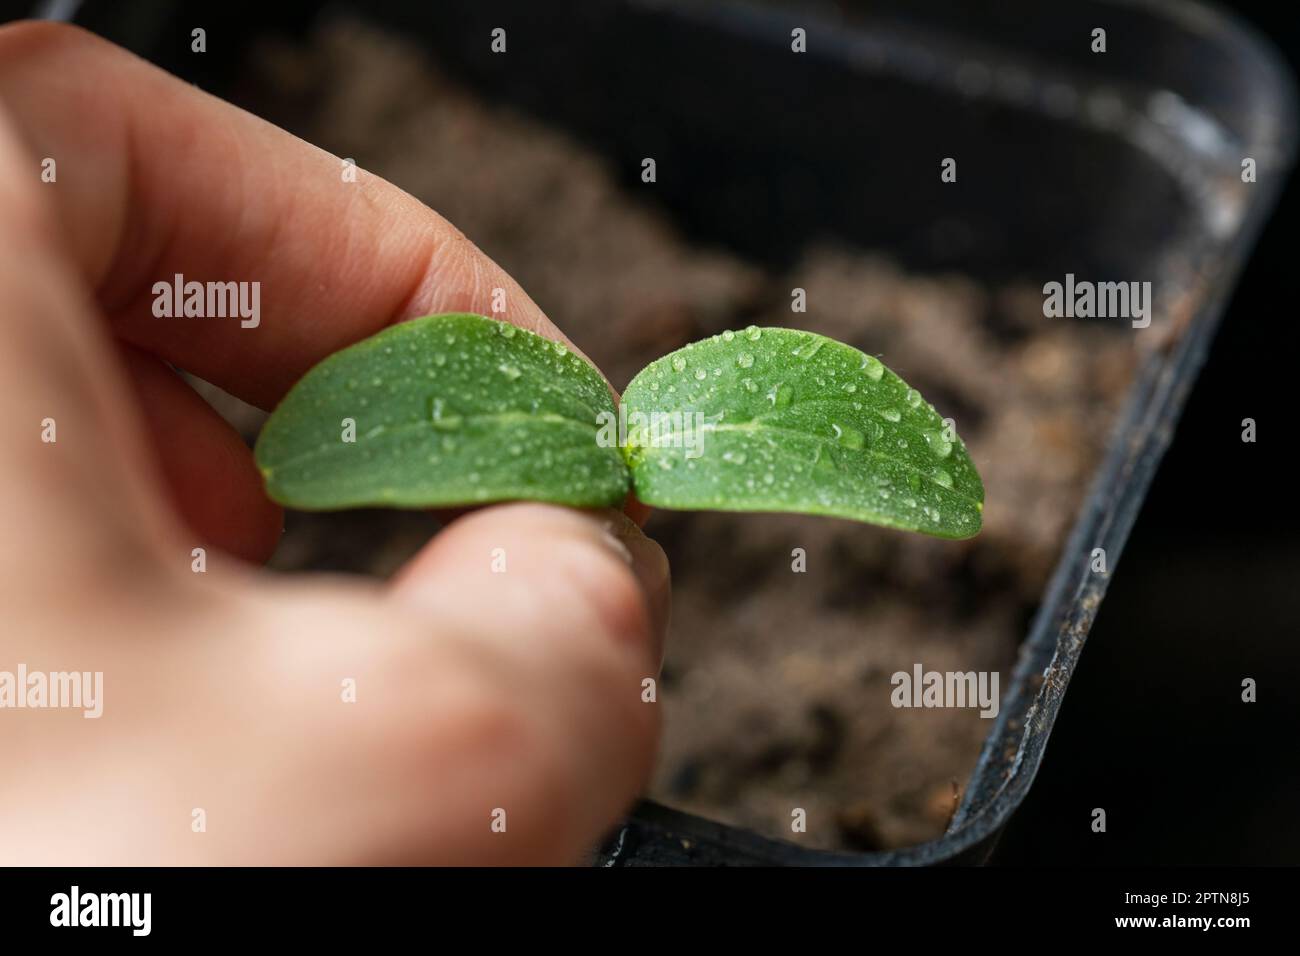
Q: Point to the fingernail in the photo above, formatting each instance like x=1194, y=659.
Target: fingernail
x=650, y=565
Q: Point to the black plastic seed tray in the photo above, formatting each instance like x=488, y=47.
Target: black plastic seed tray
x=1122, y=165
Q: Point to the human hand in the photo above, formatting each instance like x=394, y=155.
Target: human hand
x=224, y=691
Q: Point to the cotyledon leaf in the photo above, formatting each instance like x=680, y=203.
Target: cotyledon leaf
x=781, y=420
x=447, y=410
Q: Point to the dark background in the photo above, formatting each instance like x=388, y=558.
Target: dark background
x=1208, y=592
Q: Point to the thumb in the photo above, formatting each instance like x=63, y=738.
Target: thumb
x=571, y=606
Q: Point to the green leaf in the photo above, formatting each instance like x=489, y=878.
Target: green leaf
x=457, y=409
x=783, y=420
x=448, y=410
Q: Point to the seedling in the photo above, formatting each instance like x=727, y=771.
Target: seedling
x=461, y=409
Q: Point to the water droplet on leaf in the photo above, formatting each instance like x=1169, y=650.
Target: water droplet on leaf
x=779, y=395
x=442, y=420
x=849, y=437
x=938, y=444
x=809, y=348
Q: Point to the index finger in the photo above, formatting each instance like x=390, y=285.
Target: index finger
x=157, y=179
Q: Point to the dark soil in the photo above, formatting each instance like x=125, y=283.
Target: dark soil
x=776, y=688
